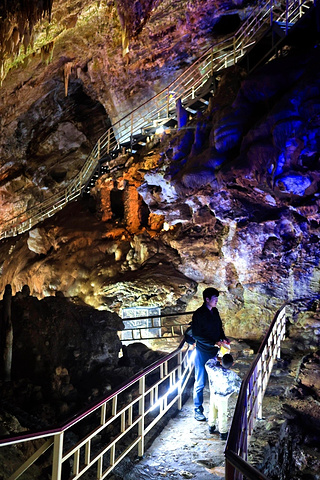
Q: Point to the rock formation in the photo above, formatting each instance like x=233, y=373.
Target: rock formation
x=231, y=199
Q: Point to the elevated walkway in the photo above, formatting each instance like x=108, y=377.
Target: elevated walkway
x=297, y=28
x=181, y=447
x=97, y=440
x=192, y=88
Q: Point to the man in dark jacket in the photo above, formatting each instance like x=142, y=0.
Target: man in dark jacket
x=209, y=335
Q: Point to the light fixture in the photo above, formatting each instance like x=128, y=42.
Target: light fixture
x=159, y=130
x=175, y=385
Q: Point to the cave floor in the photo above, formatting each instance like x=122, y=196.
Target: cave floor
x=183, y=448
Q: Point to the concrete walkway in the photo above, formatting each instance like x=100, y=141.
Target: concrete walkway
x=184, y=448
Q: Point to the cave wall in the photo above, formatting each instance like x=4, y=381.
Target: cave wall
x=239, y=213
x=231, y=200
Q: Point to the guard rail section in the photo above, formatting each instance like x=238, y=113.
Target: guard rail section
x=120, y=422
x=95, y=441
x=249, y=404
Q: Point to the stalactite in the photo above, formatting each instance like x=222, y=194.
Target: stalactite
x=67, y=72
x=17, y=19
x=133, y=16
x=47, y=52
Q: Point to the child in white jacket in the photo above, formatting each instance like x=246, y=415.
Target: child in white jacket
x=223, y=382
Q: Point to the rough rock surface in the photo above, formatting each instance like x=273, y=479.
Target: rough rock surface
x=60, y=348
x=225, y=224
x=231, y=201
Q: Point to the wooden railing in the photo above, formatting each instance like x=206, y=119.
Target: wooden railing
x=249, y=404
x=161, y=107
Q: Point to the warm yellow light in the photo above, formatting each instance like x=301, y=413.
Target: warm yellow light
x=166, y=226
x=160, y=130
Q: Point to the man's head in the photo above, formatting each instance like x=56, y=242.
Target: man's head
x=227, y=360
x=210, y=297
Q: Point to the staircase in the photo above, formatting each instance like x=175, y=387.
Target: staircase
x=260, y=37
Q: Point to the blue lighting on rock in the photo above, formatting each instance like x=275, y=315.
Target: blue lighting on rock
x=294, y=183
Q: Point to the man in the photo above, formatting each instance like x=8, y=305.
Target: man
x=209, y=335
x=223, y=382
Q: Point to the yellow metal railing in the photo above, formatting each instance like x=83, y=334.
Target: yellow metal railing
x=161, y=107
x=122, y=420
x=112, y=428
x=249, y=404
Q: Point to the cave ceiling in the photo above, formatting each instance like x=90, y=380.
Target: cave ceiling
x=232, y=201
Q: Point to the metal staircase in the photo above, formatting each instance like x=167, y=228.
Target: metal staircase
x=193, y=88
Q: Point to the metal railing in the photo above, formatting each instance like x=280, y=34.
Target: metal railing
x=153, y=330
x=112, y=428
x=124, y=418
x=249, y=404
x=161, y=107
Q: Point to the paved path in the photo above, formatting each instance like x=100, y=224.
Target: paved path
x=184, y=448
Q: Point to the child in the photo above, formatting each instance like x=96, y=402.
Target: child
x=223, y=382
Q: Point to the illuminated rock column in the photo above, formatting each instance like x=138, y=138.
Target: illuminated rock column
x=132, y=209
x=105, y=188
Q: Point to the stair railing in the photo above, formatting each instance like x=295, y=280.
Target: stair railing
x=249, y=404
x=148, y=328
x=161, y=107
x=100, y=437
x=124, y=418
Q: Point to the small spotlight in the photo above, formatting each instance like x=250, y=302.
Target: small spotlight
x=166, y=226
x=174, y=386
x=160, y=130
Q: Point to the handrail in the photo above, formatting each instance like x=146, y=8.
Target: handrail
x=130, y=409
x=144, y=332
x=161, y=107
x=249, y=403
x=123, y=419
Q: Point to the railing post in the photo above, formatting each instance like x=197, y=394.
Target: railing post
x=108, y=148
x=179, y=376
x=168, y=102
x=131, y=125
x=271, y=12
x=57, y=456
x=259, y=387
x=212, y=71
x=142, y=389
x=229, y=470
